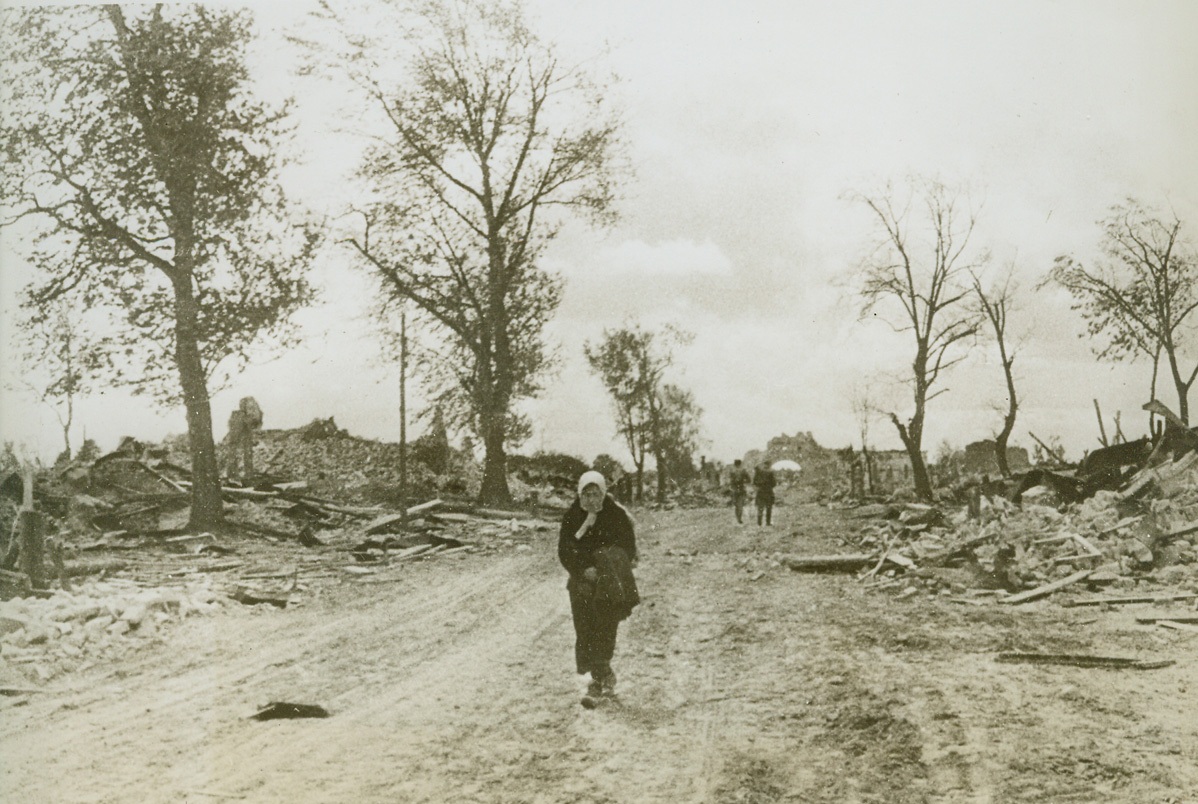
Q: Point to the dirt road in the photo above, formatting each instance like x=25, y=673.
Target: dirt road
x=740, y=681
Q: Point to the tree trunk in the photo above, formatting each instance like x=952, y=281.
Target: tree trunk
x=31, y=536
x=206, y=509
x=495, y=376
x=66, y=424
x=1000, y=451
x=1012, y=407
x=494, y=489
x=661, y=477
x=919, y=470
x=1183, y=388
x=871, y=480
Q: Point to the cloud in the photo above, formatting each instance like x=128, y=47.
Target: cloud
x=679, y=258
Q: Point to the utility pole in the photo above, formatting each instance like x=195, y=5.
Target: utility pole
x=403, y=414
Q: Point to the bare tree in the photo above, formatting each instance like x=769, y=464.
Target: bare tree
x=923, y=277
x=489, y=142
x=994, y=305
x=865, y=409
x=1141, y=296
x=62, y=357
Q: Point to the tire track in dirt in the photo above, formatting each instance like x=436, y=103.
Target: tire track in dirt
x=231, y=667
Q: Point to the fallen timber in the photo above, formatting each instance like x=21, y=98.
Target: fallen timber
x=1117, y=601
x=1048, y=588
x=1072, y=660
x=842, y=563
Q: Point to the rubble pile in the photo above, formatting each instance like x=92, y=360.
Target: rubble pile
x=1143, y=536
x=332, y=461
x=98, y=556
x=102, y=620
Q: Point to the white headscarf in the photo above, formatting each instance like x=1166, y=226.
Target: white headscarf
x=592, y=478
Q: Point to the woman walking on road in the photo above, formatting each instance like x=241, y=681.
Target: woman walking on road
x=597, y=546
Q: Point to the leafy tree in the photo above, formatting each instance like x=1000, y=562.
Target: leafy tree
x=490, y=142
x=608, y=466
x=678, y=435
x=1138, y=300
x=144, y=172
x=631, y=362
x=925, y=278
x=432, y=449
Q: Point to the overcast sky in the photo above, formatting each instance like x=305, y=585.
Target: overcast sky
x=749, y=123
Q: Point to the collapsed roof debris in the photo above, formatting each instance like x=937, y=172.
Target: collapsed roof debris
x=1126, y=518
x=131, y=567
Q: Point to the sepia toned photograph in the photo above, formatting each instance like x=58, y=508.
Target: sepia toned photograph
x=578, y=402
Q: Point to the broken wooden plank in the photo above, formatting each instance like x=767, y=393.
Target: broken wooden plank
x=221, y=566
x=1076, y=660
x=449, y=516
x=382, y=523
x=970, y=601
x=262, y=576
x=187, y=537
x=176, y=486
x=881, y=559
x=1178, y=626
x=1171, y=617
x=336, y=508
x=1048, y=588
x=953, y=550
x=1151, y=474
x=1053, y=539
x=304, y=537
x=232, y=491
x=1122, y=523
x=435, y=550
x=1176, y=534
x=1090, y=552
x=841, y=563
x=409, y=552
x=1093, y=551
x=1117, y=601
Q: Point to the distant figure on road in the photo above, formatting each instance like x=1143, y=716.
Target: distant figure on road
x=740, y=489
x=597, y=546
x=764, y=482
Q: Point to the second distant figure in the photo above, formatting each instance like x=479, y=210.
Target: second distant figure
x=740, y=490
x=764, y=482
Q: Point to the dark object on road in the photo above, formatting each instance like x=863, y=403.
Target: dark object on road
x=277, y=710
